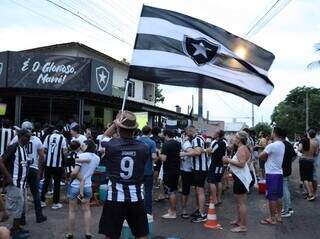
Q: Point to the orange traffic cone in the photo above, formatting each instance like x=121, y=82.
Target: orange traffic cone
x=212, y=221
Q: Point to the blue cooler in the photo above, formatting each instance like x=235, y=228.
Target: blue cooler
x=126, y=232
x=101, y=169
x=103, y=192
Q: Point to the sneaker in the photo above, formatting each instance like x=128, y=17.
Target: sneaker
x=311, y=198
x=50, y=192
x=285, y=214
x=196, y=213
x=56, y=206
x=200, y=218
x=41, y=218
x=68, y=236
x=43, y=204
x=291, y=210
x=185, y=215
x=169, y=216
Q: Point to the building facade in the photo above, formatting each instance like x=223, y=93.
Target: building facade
x=71, y=81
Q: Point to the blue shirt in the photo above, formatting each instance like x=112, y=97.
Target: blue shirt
x=148, y=169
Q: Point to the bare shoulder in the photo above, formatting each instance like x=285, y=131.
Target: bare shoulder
x=243, y=151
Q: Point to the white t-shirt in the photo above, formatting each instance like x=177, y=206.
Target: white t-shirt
x=81, y=138
x=186, y=162
x=275, y=153
x=87, y=169
x=102, y=138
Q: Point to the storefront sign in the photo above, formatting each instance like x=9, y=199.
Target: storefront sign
x=101, y=78
x=38, y=71
x=3, y=68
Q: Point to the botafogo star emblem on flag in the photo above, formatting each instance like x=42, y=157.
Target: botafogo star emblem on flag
x=200, y=50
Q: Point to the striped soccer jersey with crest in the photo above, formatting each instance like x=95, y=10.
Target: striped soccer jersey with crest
x=15, y=160
x=199, y=162
x=54, y=144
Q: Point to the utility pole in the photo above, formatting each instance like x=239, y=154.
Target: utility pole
x=200, y=108
x=252, y=115
x=307, y=111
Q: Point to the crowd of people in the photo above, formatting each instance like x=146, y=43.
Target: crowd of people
x=137, y=162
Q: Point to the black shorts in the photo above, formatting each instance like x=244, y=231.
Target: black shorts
x=157, y=166
x=238, y=186
x=187, y=178
x=261, y=163
x=171, y=181
x=306, y=169
x=215, y=174
x=199, y=178
x=114, y=214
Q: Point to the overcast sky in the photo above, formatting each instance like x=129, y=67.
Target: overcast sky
x=290, y=36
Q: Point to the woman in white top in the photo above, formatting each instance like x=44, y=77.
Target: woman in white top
x=86, y=170
x=242, y=179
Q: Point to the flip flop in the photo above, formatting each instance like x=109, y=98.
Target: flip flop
x=239, y=229
x=279, y=220
x=268, y=221
x=159, y=199
x=234, y=223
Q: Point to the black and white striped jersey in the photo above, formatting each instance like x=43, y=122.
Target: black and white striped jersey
x=6, y=135
x=125, y=161
x=219, y=149
x=124, y=193
x=199, y=162
x=54, y=144
x=39, y=134
x=32, y=149
x=15, y=160
x=70, y=162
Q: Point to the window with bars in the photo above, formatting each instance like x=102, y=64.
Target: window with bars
x=131, y=89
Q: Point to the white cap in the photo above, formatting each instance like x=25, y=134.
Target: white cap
x=27, y=125
x=16, y=127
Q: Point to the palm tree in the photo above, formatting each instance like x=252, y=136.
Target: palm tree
x=315, y=65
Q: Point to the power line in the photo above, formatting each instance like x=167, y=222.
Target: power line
x=102, y=16
x=266, y=18
x=54, y=20
x=89, y=22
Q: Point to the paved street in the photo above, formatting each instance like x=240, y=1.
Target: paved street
x=303, y=224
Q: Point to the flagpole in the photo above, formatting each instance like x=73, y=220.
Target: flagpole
x=125, y=94
x=200, y=108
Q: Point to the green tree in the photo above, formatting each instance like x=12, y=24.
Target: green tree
x=263, y=127
x=291, y=113
x=158, y=94
x=315, y=65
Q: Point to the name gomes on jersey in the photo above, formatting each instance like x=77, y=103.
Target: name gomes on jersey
x=127, y=164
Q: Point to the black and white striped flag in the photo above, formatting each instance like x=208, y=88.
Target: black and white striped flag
x=175, y=49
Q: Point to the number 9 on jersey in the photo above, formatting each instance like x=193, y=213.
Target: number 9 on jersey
x=126, y=167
